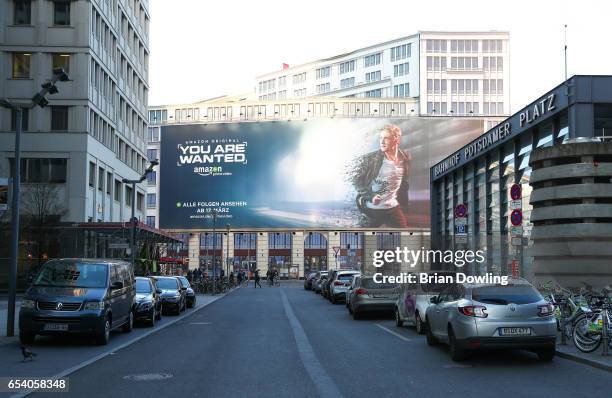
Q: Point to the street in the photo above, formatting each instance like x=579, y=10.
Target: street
x=288, y=342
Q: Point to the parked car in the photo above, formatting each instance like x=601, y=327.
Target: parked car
x=369, y=296
x=190, y=295
x=318, y=281
x=308, y=280
x=340, y=284
x=148, y=305
x=349, y=290
x=173, y=294
x=413, y=300
x=78, y=296
x=325, y=286
x=480, y=316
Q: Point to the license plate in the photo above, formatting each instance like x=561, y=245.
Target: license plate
x=56, y=326
x=515, y=331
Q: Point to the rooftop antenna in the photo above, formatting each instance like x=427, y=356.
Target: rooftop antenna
x=565, y=50
x=569, y=113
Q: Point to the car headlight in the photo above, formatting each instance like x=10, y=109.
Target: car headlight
x=94, y=305
x=144, y=305
x=28, y=303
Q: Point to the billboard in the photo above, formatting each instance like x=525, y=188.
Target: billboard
x=320, y=174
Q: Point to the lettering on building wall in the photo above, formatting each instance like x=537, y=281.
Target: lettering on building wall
x=537, y=110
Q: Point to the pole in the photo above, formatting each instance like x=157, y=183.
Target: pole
x=214, y=253
x=10, y=319
x=227, y=250
x=565, y=49
x=133, y=220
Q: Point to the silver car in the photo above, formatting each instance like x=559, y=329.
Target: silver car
x=318, y=280
x=479, y=316
x=340, y=284
x=369, y=296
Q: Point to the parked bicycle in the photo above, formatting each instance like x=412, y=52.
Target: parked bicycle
x=589, y=330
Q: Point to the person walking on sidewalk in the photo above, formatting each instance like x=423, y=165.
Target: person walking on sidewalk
x=257, y=279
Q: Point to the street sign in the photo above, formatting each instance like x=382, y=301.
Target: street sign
x=516, y=217
x=460, y=239
x=460, y=210
x=517, y=241
x=461, y=221
x=516, y=191
x=516, y=204
x=460, y=229
x=118, y=245
x=516, y=230
x=515, y=268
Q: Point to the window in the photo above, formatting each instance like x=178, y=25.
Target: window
x=323, y=72
x=151, y=200
x=151, y=154
x=61, y=13
x=61, y=61
x=347, y=66
x=345, y=83
x=23, y=12
x=401, y=70
x=151, y=221
x=21, y=65
x=323, y=88
x=109, y=182
x=400, y=52
x=92, y=174
x=401, y=90
x=373, y=93
x=128, y=196
x=153, y=134
x=371, y=60
x=42, y=170
x=24, y=119
x=139, y=201
x=299, y=78
x=151, y=178
x=118, y=190
x=59, y=118
x=101, y=179
x=373, y=76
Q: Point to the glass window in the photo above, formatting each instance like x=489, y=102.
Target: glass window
x=151, y=154
x=109, y=182
x=151, y=200
x=61, y=61
x=59, y=118
x=128, y=196
x=151, y=178
x=61, y=13
x=21, y=65
x=23, y=12
x=101, y=179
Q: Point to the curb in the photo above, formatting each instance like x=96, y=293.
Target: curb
x=585, y=361
x=96, y=358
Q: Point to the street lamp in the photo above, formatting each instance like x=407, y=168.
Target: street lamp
x=39, y=99
x=143, y=177
x=214, y=251
x=227, y=226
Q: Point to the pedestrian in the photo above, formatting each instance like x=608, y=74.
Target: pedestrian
x=190, y=276
x=239, y=278
x=257, y=279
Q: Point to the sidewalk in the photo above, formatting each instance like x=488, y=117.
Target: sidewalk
x=3, y=316
x=593, y=359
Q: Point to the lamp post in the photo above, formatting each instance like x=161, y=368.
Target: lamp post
x=133, y=219
x=38, y=99
x=227, y=226
x=214, y=262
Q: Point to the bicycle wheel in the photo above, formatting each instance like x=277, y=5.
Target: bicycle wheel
x=584, y=340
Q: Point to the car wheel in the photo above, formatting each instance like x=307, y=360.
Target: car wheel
x=546, y=355
x=129, y=325
x=152, y=320
x=457, y=353
x=398, y=320
x=431, y=340
x=104, y=337
x=27, y=338
x=418, y=324
x=159, y=314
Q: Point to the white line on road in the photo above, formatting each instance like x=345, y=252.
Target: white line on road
x=322, y=381
x=392, y=332
x=200, y=323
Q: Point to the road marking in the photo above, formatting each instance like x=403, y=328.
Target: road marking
x=392, y=332
x=200, y=323
x=322, y=381
x=119, y=347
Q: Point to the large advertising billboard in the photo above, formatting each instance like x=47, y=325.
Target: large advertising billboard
x=321, y=174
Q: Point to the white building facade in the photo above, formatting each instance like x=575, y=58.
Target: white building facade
x=451, y=73
x=93, y=132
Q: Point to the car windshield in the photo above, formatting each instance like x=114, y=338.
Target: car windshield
x=521, y=294
x=143, y=286
x=167, y=284
x=70, y=274
x=184, y=282
x=346, y=277
x=370, y=284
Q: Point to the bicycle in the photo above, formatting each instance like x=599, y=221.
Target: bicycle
x=588, y=331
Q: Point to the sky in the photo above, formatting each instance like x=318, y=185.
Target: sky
x=203, y=49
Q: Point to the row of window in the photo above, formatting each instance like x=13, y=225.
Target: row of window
x=463, y=46
x=376, y=93
x=101, y=130
x=267, y=85
x=465, y=86
x=158, y=116
x=401, y=90
x=22, y=12
x=104, y=184
x=323, y=88
x=133, y=81
x=103, y=83
x=323, y=72
x=103, y=34
x=465, y=108
x=22, y=64
x=134, y=43
x=400, y=52
x=299, y=93
x=128, y=155
x=346, y=83
x=59, y=118
x=41, y=170
x=131, y=118
x=268, y=97
x=299, y=78
x=348, y=66
x=439, y=63
x=373, y=76
x=401, y=69
x=372, y=60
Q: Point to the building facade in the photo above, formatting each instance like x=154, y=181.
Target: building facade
x=93, y=132
x=534, y=191
x=451, y=73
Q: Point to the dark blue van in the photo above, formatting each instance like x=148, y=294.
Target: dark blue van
x=79, y=296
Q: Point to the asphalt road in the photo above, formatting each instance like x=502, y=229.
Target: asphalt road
x=287, y=342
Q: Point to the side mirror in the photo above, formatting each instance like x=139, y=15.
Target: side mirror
x=158, y=291
x=433, y=300
x=117, y=285
x=183, y=288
